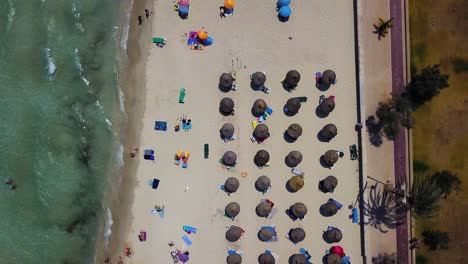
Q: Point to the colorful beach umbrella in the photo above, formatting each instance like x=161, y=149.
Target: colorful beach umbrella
x=184, y=2
x=284, y=11
x=202, y=34
x=281, y=3
x=229, y=4
x=183, y=257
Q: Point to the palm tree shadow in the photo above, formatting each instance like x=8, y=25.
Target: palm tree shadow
x=384, y=209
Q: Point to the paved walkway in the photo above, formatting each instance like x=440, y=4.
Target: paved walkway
x=398, y=84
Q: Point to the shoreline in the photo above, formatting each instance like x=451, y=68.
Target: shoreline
x=131, y=77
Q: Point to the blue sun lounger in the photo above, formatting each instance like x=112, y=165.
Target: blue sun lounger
x=336, y=202
x=187, y=240
x=190, y=229
x=160, y=125
x=355, y=215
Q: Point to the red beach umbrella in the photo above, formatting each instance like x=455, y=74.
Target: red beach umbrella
x=337, y=250
x=184, y=2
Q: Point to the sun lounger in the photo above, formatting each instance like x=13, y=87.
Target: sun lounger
x=182, y=95
x=269, y=110
x=186, y=126
x=160, y=125
x=355, y=213
x=187, y=240
x=148, y=157
x=160, y=42
x=298, y=172
x=206, y=150
x=189, y=229
x=336, y=202
x=306, y=254
x=148, y=152
x=353, y=152
x=155, y=183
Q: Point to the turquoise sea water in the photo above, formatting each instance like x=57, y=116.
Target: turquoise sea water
x=58, y=98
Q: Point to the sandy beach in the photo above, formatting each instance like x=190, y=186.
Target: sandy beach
x=251, y=40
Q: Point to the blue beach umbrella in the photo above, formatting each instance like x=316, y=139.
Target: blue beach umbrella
x=183, y=10
x=281, y=3
x=208, y=41
x=284, y=11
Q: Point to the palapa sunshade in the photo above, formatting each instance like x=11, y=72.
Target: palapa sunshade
x=333, y=236
x=299, y=210
x=292, y=78
x=229, y=158
x=327, y=105
x=226, y=106
x=329, y=209
x=296, y=183
x=226, y=80
x=328, y=77
x=232, y=209
x=227, y=130
x=294, y=158
x=263, y=209
x=293, y=105
x=330, y=157
x=298, y=259
x=258, y=78
x=234, y=259
x=233, y=233
x=261, y=132
x=297, y=234
x=265, y=234
x=333, y=259
x=231, y=185
x=329, y=183
x=259, y=107
x=266, y=258
x=294, y=131
x=262, y=157
x=329, y=131
x=262, y=183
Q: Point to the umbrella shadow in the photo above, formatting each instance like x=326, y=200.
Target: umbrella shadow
x=287, y=87
x=283, y=19
x=226, y=114
x=321, y=188
x=324, y=237
x=319, y=113
x=253, y=86
x=385, y=209
x=287, y=113
x=287, y=138
x=290, y=215
x=323, y=163
x=321, y=138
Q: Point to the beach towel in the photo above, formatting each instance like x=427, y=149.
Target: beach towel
x=254, y=124
x=142, y=236
x=148, y=152
x=186, y=126
x=233, y=251
x=269, y=110
x=148, y=157
x=336, y=202
x=189, y=229
x=187, y=240
x=155, y=183
x=192, y=38
x=160, y=125
x=355, y=215
x=273, y=212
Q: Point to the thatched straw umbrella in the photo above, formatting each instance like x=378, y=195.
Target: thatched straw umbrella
x=297, y=234
x=227, y=130
x=333, y=259
x=261, y=132
x=233, y=233
x=266, y=258
x=329, y=209
x=298, y=259
x=231, y=185
x=265, y=234
x=328, y=77
x=229, y=158
x=259, y=107
x=329, y=184
x=296, y=183
x=226, y=106
x=262, y=184
x=292, y=79
x=293, y=105
x=293, y=158
x=330, y=157
x=258, y=78
x=327, y=105
x=262, y=157
x=263, y=209
x=234, y=259
x=232, y=209
x=299, y=210
x=225, y=81
x=294, y=131
x=333, y=236
x=329, y=131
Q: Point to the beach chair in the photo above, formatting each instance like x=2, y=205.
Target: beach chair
x=302, y=99
x=353, y=152
x=206, y=150
x=160, y=42
x=355, y=214
x=182, y=95
x=160, y=125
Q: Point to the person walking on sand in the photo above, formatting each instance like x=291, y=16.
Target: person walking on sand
x=147, y=13
x=140, y=20
x=134, y=152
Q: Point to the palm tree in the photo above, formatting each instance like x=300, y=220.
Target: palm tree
x=384, y=26
x=424, y=197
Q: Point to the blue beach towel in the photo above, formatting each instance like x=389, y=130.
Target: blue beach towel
x=231, y=252
x=148, y=157
x=355, y=215
x=269, y=110
x=267, y=251
x=336, y=202
x=190, y=229
x=187, y=240
x=160, y=125
x=155, y=183
x=187, y=126
x=148, y=152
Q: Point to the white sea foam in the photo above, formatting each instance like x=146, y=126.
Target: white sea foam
x=11, y=14
x=77, y=16
x=80, y=67
x=126, y=28
x=51, y=68
x=122, y=102
x=109, y=222
x=119, y=157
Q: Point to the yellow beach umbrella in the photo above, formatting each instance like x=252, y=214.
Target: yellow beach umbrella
x=228, y=4
x=202, y=35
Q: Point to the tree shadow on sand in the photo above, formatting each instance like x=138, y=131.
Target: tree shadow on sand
x=385, y=209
